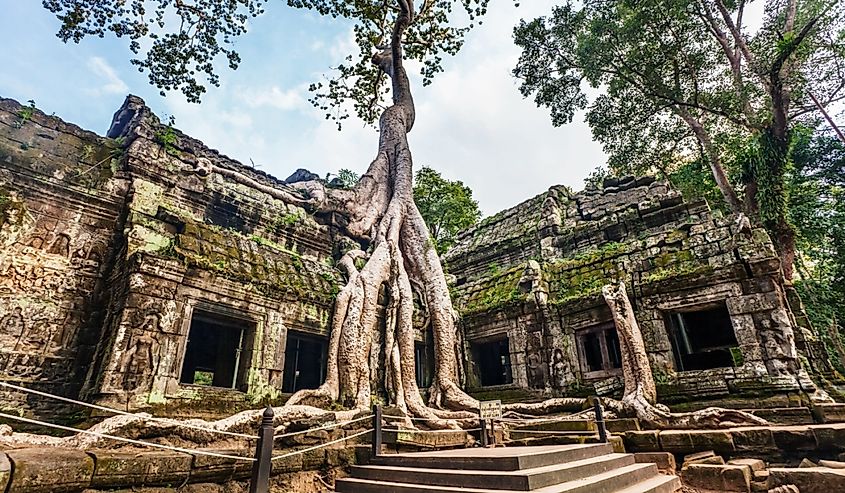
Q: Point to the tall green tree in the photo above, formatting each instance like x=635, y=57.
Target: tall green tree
x=686, y=79
x=447, y=206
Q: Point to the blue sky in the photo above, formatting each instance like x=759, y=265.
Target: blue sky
x=472, y=124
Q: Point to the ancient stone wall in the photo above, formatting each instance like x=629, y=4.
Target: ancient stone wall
x=682, y=263
x=196, y=241
x=113, y=246
x=61, y=201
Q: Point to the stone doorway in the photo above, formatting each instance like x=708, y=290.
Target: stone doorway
x=493, y=361
x=305, y=362
x=216, y=350
x=702, y=338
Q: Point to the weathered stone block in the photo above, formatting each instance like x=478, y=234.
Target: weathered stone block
x=678, y=441
x=642, y=441
x=206, y=468
x=48, y=469
x=810, y=479
x=794, y=438
x=753, y=464
x=757, y=439
x=664, y=460
x=292, y=463
x=830, y=437
x=5, y=471
x=720, y=441
x=717, y=477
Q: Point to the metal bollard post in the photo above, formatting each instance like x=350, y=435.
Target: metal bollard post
x=483, y=432
x=376, y=430
x=600, y=420
x=260, y=482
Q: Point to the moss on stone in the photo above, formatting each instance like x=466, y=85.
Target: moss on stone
x=500, y=289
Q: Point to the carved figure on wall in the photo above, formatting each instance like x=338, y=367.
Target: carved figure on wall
x=534, y=360
x=60, y=245
x=37, y=332
x=777, y=359
x=138, y=362
x=561, y=372
x=12, y=327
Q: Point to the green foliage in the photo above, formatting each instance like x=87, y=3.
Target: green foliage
x=25, y=114
x=166, y=136
x=345, y=179
x=682, y=102
x=446, y=206
x=177, y=42
x=285, y=221
x=816, y=202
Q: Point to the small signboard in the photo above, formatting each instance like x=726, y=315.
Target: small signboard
x=490, y=409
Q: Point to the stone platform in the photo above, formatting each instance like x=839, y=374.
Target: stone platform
x=591, y=468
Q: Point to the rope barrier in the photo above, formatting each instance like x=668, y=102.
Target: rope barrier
x=166, y=421
x=554, y=432
x=422, y=419
x=315, y=447
x=430, y=431
x=327, y=427
x=123, y=439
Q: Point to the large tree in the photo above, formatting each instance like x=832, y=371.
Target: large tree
x=397, y=255
x=689, y=78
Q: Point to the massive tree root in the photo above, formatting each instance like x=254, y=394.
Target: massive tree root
x=192, y=431
x=381, y=212
x=639, y=396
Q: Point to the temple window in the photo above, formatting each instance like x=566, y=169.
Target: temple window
x=598, y=351
x=493, y=360
x=217, y=352
x=305, y=362
x=702, y=338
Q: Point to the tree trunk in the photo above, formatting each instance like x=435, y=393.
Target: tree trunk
x=640, y=395
x=381, y=210
x=713, y=160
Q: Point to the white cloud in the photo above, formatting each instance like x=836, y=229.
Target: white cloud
x=274, y=97
x=111, y=83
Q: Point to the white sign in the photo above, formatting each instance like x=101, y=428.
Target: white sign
x=490, y=409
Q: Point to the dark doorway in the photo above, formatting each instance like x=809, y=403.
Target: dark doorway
x=305, y=362
x=216, y=354
x=702, y=339
x=494, y=362
x=599, y=351
x=424, y=361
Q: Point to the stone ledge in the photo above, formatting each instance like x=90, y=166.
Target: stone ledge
x=757, y=439
x=113, y=468
x=57, y=470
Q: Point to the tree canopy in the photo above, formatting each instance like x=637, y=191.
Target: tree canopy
x=685, y=81
x=447, y=206
x=179, y=42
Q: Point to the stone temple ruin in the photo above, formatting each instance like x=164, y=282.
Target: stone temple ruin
x=133, y=276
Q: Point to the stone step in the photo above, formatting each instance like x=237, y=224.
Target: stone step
x=657, y=484
x=496, y=459
x=607, y=482
x=520, y=480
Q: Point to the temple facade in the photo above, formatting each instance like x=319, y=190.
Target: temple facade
x=135, y=272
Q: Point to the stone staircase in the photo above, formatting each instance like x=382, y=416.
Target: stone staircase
x=590, y=468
